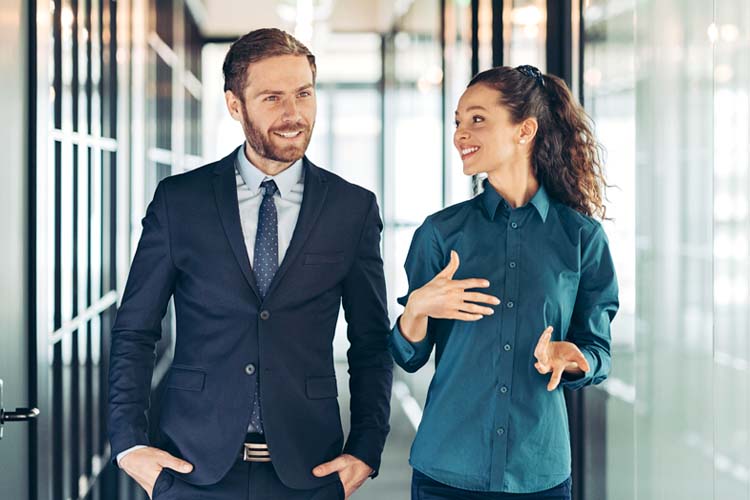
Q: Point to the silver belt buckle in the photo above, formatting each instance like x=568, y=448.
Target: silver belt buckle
x=256, y=452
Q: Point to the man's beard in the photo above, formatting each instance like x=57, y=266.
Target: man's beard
x=263, y=146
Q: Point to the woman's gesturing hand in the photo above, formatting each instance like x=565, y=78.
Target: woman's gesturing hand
x=558, y=358
x=446, y=298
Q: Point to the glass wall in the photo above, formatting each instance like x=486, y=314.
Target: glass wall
x=609, y=89
x=667, y=83
x=80, y=146
x=119, y=112
x=730, y=33
x=674, y=222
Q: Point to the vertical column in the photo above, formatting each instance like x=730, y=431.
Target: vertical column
x=14, y=226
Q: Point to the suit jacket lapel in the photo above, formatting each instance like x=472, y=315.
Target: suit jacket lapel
x=225, y=191
x=313, y=199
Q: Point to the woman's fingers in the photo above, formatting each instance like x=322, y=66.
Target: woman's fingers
x=462, y=316
x=541, y=368
x=468, y=283
x=476, y=309
x=580, y=361
x=481, y=298
x=554, y=380
x=451, y=268
x=540, y=351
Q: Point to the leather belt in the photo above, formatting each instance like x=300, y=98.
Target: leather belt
x=255, y=449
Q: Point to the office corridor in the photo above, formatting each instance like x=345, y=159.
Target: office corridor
x=104, y=99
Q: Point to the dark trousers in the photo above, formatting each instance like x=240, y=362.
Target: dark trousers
x=425, y=488
x=245, y=481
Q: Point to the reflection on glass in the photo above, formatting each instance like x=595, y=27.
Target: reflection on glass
x=655, y=73
x=674, y=303
x=731, y=233
x=525, y=32
x=610, y=99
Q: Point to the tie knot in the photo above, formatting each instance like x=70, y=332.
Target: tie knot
x=269, y=187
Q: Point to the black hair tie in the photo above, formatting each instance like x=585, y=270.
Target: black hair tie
x=532, y=72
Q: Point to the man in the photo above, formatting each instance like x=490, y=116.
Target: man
x=258, y=251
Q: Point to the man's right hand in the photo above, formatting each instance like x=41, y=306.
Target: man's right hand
x=145, y=464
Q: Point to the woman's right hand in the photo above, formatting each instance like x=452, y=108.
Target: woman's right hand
x=445, y=298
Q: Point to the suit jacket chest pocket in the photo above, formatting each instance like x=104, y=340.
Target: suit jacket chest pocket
x=324, y=259
x=319, y=273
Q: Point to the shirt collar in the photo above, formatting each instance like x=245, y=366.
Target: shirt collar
x=491, y=200
x=541, y=202
x=253, y=177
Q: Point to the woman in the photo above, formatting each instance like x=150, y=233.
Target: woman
x=495, y=423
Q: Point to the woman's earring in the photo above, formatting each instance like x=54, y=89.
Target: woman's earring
x=522, y=141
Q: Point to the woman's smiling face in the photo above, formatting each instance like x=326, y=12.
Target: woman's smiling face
x=485, y=136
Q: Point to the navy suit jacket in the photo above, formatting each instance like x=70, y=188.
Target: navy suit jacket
x=192, y=249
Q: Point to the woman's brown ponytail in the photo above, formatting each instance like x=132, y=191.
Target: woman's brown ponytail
x=566, y=157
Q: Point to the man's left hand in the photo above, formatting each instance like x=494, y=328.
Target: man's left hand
x=352, y=471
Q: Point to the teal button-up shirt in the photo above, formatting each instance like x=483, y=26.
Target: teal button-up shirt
x=489, y=423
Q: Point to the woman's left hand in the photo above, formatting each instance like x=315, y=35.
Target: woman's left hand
x=558, y=358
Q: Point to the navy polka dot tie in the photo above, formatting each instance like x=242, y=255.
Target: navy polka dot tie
x=265, y=265
x=266, y=258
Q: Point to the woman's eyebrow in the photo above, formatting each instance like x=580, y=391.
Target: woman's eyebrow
x=473, y=107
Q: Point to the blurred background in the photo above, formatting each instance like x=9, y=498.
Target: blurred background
x=101, y=99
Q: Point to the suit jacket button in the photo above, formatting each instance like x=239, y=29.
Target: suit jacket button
x=250, y=369
x=264, y=315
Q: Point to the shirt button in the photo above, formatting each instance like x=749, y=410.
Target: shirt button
x=512, y=265
x=250, y=369
x=264, y=315
x=503, y=389
x=506, y=347
x=510, y=304
x=514, y=225
x=500, y=431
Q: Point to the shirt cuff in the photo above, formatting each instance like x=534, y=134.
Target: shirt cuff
x=406, y=351
x=123, y=453
x=574, y=382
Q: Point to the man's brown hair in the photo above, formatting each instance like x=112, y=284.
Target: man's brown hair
x=258, y=45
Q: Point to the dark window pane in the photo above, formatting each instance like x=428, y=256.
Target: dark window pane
x=164, y=21
x=109, y=222
x=192, y=125
x=74, y=87
x=192, y=45
x=163, y=170
x=88, y=84
x=56, y=163
x=57, y=422
x=56, y=66
x=163, y=100
x=108, y=85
